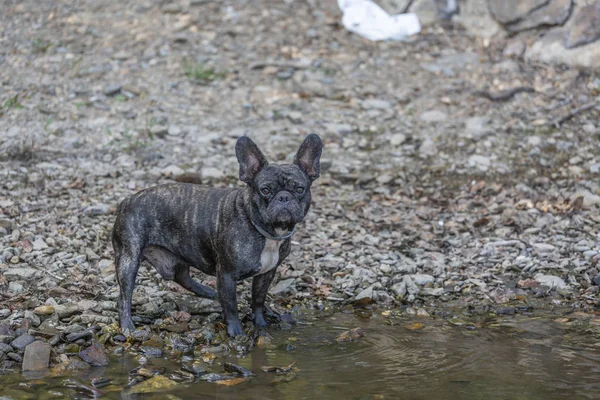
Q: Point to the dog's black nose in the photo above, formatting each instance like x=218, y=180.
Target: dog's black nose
x=284, y=197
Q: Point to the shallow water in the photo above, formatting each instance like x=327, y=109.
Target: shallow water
x=517, y=357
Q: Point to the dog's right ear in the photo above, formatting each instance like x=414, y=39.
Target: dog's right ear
x=251, y=159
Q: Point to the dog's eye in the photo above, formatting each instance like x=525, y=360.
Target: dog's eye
x=299, y=190
x=265, y=191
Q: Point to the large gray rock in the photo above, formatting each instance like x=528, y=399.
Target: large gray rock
x=554, y=13
x=427, y=11
x=509, y=11
x=551, y=49
x=476, y=18
x=585, y=25
x=37, y=356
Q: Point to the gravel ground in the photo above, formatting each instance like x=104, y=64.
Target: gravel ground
x=452, y=172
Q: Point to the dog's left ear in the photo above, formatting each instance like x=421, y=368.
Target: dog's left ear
x=309, y=155
x=250, y=157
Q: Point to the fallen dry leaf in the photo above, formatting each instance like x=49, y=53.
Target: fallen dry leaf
x=414, y=327
x=232, y=382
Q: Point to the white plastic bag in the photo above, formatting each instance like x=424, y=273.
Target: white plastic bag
x=370, y=21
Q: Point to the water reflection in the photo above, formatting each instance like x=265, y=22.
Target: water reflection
x=516, y=358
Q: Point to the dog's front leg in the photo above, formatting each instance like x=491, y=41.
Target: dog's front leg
x=226, y=285
x=260, y=287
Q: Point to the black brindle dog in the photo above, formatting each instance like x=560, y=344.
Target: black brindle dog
x=233, y=233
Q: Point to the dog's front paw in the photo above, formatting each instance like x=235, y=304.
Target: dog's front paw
x=127, y=327
x=234, y=328
x=259, y=320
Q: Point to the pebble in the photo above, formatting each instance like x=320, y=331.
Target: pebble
x=5, y=348
x=159, y=131
x=339, y=129
x=295, y=117
x=96, y=209
x=15, y=288
x=151, y=352
x=542, y=247
x=174, y=130
x=506, y=311
x=397, y=139
x=434, y=116
x=550, y=280
x=376, y=104
x=69, y=366
x=95, y=355
x=172, y=170
x=32, y=317
x=5, y=224
x=39, y=244
x=534, y=141
x=422, y=279
x=212, y=173
x=432, y=292
x=478, y=127
x=480, y=162
x=399, y=289
x=66, y=310
x=157, y=383
x=365, y=294
x=428, y=148
x=282, y=286
x=22, y=341
x=19, y=273
x=112, y=90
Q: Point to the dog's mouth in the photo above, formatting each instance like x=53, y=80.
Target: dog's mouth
x=286, y=218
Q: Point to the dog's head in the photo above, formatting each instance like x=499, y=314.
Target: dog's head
x=280, y=192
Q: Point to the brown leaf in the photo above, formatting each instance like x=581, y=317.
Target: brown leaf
x=323, y=290
x=414, y=327
x=182, y=316
x=481, y=222
x=27, y=245
x=232, y=382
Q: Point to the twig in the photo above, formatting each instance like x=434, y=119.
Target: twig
x=588, y=106
x=504, y=95
x=280, y=64
x=54, y=276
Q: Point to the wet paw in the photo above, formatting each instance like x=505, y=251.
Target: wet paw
x=127, y=327
x=259, y=321
x=234, y=329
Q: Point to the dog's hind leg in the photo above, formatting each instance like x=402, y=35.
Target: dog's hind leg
x=127, y=264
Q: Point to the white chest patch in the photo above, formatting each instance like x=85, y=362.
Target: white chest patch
x=269, y=256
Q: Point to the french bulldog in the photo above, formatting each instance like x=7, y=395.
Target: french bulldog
x=230, y=233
